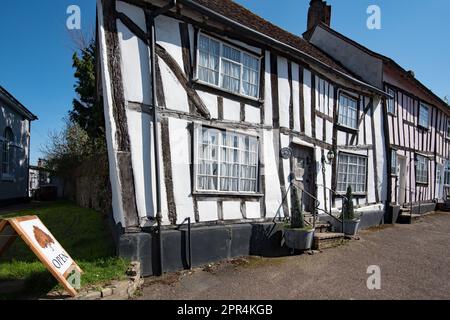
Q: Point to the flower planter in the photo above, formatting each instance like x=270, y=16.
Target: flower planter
x=351, y=227
x=299, y=239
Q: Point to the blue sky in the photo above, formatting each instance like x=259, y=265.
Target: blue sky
x=36, y=47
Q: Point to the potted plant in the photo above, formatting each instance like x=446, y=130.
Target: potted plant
x=351, y=222
x=297, y=235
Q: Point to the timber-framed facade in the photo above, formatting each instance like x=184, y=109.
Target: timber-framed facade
x=203, y=99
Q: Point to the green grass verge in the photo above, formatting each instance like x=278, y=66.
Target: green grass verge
x=84, y=235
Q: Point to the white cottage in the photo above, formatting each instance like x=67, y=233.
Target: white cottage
x=242, y=109
x=15, y=133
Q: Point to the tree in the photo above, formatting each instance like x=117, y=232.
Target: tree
x=68, y=148
x=297, y=219
x=87, y=108
x=348, y=208
x=446, y=100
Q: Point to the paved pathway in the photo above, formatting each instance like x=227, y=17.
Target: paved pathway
x=414, y=261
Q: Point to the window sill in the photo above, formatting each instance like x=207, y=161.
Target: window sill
x=198, y=84
x=392, y=114
x=227, y=194
x=358, y=195
x=346, y=129
x=423, y=128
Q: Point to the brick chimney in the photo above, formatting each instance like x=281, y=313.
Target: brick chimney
x=318, y=12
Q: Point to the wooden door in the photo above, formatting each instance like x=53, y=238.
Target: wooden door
x=304, y=173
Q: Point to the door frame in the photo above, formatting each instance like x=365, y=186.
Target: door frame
x=313, y=184
x=403, y=171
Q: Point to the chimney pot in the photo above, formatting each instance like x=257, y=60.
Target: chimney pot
x=319, y=12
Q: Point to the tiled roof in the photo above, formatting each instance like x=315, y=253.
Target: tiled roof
x=238, y=13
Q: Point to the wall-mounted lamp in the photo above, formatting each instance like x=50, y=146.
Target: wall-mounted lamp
x=329, y=158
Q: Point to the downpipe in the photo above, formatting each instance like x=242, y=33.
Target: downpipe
x=159, y=218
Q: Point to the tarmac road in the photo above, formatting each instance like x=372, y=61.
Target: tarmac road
x=414, y=261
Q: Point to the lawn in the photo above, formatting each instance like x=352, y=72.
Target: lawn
x=84, y=235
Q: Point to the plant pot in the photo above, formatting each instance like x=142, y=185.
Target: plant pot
x=350, y=227
x=299, y=239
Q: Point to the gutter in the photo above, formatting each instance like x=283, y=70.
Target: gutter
x=276, y=43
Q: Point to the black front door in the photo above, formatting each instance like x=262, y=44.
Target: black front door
x=304, y=175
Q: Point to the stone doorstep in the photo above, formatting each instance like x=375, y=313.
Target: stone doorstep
x=408, y=217
x=328, y=240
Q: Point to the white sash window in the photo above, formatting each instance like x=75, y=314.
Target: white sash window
x=348, y=112
x=421, y=169
x=352, y=171
x=391, y=102
x=226, y=161
x=424, y=117
x=226, y=67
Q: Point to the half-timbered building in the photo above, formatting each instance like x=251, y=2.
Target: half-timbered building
x=211, y=113
x=416, y=125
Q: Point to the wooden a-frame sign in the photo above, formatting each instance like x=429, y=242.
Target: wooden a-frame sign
x=43, y=244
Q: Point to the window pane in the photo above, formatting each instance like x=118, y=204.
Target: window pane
x=231, y=69
x=352, y=172
x=348, y=112
x=391, y=102
x=209, y=58
x=424, y=116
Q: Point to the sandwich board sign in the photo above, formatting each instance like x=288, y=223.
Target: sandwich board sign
x=44, y=245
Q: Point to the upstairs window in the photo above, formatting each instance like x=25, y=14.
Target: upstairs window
x=352, y=171
x=348, y=112
x=394, y=162
x=7, y=154
x=226, y=161
x=448, y=129
x=391, y=102
x=227, y=67
x=421, y=169
x=424, y=116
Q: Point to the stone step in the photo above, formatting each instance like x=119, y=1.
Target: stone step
x=408, y=218
x=323, y=227
x=326, y=240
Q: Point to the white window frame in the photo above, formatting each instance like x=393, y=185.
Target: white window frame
x=366, y=159
x=349, y=97
x=424, y=106
x=446, y=179
x=391, y=101
x=419, y=173
x=394, y=169
x=221, y=131
x=221, y=57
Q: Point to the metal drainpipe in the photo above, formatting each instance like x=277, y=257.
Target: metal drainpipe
x=155, y=127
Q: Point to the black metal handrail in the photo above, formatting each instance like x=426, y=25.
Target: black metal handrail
x=291, y=184
x=188, y=221
x=411, y=192
x=331, y=203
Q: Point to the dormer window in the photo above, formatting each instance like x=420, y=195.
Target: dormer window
x=226, y=67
